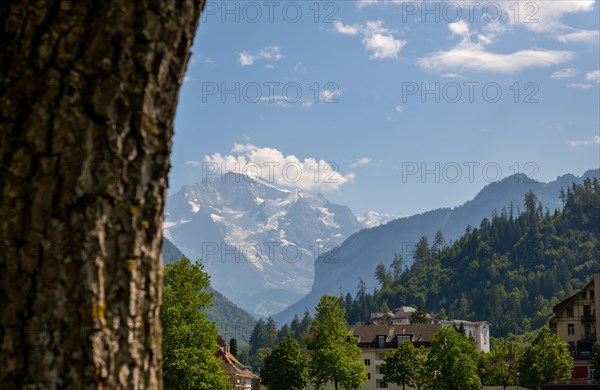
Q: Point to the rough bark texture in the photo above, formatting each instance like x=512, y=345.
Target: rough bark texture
x=88, y=91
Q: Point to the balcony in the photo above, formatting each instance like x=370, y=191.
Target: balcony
x=588, y=318
x=581, y=355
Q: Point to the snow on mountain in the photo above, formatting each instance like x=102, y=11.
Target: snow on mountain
x=372, y=218
x=258, y=242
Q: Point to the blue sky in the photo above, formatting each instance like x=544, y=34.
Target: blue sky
x=329, y=97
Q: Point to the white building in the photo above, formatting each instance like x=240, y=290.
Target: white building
x=479, y=330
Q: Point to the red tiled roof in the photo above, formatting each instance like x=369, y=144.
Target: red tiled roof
x=233, y=366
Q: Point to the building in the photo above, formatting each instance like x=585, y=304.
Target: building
x=375, y=341
x=479, y=330
x=242, y=378
x=399, y=316
x=575, y=321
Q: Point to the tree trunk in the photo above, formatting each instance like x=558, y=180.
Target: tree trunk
x=88, y=92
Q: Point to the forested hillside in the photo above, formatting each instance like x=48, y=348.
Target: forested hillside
x=509, y=271
x=231, y=320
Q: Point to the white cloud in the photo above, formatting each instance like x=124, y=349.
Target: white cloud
x=246, y=59
x=580, y=86
x=187, y=79
x=594, y=140
x=270, y=53
x=360, y=162
x=378, y=40
x=459, y=28
x=564, y=74
x=451, y=75
x=583, y=36
x=593, y=76
x=474, y=56
x=327, y=96
x=192, y=163
x=399, y=108
x=366, y=3
x=383, y=46
x=272, y=165
x=545, y=16
x=196, y=59
x=346, y=29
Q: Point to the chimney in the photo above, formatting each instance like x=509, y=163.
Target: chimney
x=597, y=300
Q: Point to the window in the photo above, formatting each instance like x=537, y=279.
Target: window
x=367, y=362
x=380, y=341
x=570, y=329
x=382, y=385
x=570, y=311
x=588, y=330
x=380, y=369
x=381, y=356
x=368, y=376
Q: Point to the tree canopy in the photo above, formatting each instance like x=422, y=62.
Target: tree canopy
x=285, y=367
x=546, y=358
x=189, y=339
x=452, y=362
x=402, y=366
x=510, y=270
x=333, y=351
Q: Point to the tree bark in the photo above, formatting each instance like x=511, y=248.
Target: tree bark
x=88, y=92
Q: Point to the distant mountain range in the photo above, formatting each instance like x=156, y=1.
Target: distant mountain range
x=340, y=269
x=258, y=242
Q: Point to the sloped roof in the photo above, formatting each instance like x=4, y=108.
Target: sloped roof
x=420, y=332
x=233, y=366
x=563, y=305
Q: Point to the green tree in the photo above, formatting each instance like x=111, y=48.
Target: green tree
x=233, y=347
x=189, y=339
x=402, y=365
x=285, y=367
x=500, y=367
x=419, y=316
x=452, y=362
x=547, y=358
x=596, y=359
x=334, y=353
x=382, y=275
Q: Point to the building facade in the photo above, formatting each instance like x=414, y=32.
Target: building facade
x=242, y=378
x=575, y=321
x=478, y=330
x=376, y=341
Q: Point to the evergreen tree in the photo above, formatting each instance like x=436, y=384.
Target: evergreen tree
x=258, y=337
x=332, y=349
x=189, y=339
x=233, y=347
x=419, y=316
x=382, y=275
x=283, y=333
x=397, y=266
x=285, y=367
